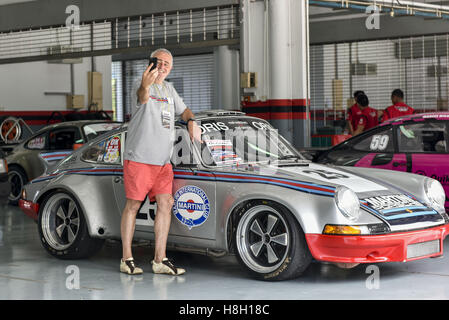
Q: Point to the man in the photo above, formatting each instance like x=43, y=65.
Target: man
x=399, y=108
x=354, y=113
x=369, y=117
x=147, y=169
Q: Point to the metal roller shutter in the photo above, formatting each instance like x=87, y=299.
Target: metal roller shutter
x=416, y=65
x=192, y=76
x=117, y=91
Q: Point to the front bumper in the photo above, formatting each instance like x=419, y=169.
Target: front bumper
x=31, y=209
x=376, y=248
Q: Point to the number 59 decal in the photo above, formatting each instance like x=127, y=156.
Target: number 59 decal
x=379, y=142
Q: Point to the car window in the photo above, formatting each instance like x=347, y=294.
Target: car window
x=38, y=143
x=91, y=131
x=380, y=141
x=108, y=151
x=231, y=141
x=182, y=150
x=63, y=139
x=422, y=137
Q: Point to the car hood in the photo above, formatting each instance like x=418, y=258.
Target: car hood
x=400, y=209
x=322, y=175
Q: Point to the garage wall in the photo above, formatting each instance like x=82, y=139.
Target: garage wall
x=23, y=85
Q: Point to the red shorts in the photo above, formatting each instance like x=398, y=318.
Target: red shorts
x=143, y=179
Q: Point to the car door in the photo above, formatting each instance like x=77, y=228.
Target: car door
x=380, y=151
x=194, y=196
x=425, y=144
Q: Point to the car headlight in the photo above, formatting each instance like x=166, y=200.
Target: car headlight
x=347, y=202
x=435, y=193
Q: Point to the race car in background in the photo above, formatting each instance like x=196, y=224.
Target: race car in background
x=45, y=148
x=243, y=190
x=416, y=143
x=5, y=185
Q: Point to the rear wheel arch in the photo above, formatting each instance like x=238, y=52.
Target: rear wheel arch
x=49, y=192
x=83, y=244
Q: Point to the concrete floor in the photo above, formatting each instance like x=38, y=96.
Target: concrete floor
x=28, y=272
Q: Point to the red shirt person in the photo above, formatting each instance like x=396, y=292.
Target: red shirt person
x=369, y=116
x=399, y=108
x=354, y=114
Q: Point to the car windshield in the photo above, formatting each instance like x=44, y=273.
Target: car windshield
x=91, y=131
x=230, y=141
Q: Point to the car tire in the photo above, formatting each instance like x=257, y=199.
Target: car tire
x=17, y=178
x=63, y=228
x=269, y=242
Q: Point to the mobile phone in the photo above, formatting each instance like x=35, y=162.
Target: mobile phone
x=154, y=62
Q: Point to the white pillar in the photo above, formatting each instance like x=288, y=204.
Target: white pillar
x=226, y=89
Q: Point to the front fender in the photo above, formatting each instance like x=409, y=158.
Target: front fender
x=311, y=211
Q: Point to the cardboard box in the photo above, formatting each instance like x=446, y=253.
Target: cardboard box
x=75, y=101
x=248, y=80
x=337, y=94
x=95, y=88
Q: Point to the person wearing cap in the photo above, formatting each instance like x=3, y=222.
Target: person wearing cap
x=147, y=169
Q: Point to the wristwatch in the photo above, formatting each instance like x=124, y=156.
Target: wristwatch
x=191, y=119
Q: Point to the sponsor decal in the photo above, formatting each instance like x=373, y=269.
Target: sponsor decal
x=191, y=206
x=381, y=203
x=37, y=143
x=112, y=150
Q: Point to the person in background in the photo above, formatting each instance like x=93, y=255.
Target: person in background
x=354, y=113
x=369, y=116
x=399, y=108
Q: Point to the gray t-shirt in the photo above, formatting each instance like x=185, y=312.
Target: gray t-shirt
x=151, y=128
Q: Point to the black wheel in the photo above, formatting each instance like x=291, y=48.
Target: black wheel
x=270, y=242
x=17, y=178
x=63, y=228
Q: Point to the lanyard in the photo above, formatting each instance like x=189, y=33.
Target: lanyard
x=159, y=92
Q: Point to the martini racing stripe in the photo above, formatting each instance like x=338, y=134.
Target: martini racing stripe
x=53, y=156
x=93, y=171
x=201, y=175
x=407, y=217
x=232, y=177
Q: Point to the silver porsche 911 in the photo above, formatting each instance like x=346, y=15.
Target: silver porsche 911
x=244, y=190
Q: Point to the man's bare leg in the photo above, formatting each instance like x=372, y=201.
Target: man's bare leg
x=127, y=226
x=162, y=225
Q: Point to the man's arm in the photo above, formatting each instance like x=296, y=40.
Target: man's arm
x=148, y=78
x=192, y=126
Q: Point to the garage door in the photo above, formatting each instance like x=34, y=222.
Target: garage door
x=192, y=76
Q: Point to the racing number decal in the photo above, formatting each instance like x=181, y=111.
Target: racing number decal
x=327, y=174
x=379, y=142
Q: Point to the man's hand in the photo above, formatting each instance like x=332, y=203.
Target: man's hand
x=148, y=78
x=194, y=131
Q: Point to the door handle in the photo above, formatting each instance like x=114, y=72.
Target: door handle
x=118, y=180
x=399, y=164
